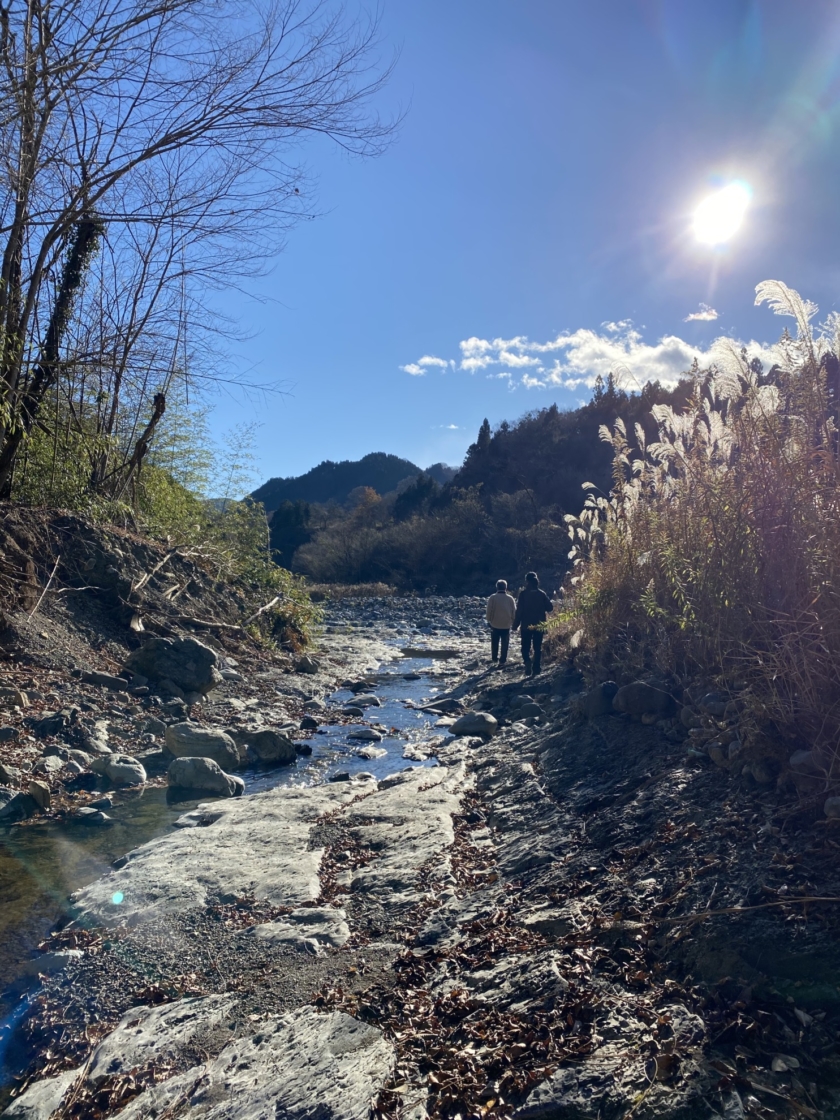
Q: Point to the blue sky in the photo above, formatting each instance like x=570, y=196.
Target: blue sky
x=531, y=224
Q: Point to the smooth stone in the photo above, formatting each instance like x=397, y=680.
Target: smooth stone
x=87, y=815
x=40, y=793
x=82, y=757
x=49, y=764
x=12, y=698
x=269, y=746
x=307, y=664
x=371, y=753
x=203, y=775
x=366, y=733
x=597, y=701
x=475, y=723
x=120, y=769
x=106, y=680
x=9, y=774
x=189, y=740
x=639, y=697
x=367, y=701
x=807, y=762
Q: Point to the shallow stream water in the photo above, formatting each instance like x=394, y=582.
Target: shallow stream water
x=42, y=865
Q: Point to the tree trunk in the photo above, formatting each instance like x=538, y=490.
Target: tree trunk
x=142, y=445
x=25, y=410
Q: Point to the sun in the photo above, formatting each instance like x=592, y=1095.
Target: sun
x=719, y=216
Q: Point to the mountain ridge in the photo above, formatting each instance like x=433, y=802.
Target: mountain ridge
x=333, y=482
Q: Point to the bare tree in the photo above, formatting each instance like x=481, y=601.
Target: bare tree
x=174, y=117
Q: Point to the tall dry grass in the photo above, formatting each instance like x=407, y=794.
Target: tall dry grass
x=718, y=550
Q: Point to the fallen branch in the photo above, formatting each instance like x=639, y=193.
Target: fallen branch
x=46, y=589
x=144, y=579
x=701, y=915
x=267, y=607
x=205, y=622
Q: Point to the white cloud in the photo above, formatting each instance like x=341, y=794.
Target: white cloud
x=706, y=314
x=428, y=361
x=575, y=359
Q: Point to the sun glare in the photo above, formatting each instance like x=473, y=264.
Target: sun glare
x=719, y=216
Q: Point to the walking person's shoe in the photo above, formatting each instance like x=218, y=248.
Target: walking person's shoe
x=527, y=668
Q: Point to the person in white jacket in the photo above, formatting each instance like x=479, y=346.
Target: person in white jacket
x=501, y=611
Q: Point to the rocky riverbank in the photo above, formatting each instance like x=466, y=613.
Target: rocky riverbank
x=574, y=915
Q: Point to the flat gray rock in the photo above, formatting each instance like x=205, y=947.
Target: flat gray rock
x=43, y=1098
x=147, y=1033
x=406, y=826
x=297, y=1067
x=256, y=844
x=309, y=929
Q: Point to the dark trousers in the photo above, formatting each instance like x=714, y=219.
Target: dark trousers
x=499, y=638
x=532, y=638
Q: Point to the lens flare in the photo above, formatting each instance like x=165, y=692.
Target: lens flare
x=719, y=217
x=117, y=898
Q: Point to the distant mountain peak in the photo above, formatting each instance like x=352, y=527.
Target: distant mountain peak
x=333, y=482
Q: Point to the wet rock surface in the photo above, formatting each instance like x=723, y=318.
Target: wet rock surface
x=581, y=916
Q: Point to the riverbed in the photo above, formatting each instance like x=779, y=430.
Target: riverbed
x=43, y=863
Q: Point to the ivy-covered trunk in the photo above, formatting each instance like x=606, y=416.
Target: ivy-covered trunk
x=25, y=390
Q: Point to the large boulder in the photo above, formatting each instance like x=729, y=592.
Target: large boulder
x=120, y=769
x=476, y=723
x=269, y=746
x=641, y=699
x=190, y=740
x=598, y=701
x=188, y=663
x=205, y=775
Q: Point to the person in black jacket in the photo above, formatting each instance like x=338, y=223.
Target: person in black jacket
x=532, y=608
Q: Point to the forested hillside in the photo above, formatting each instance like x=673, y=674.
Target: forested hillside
x=501, y=514
x=333, y=482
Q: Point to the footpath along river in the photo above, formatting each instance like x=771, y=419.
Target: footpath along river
x=42, y=864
